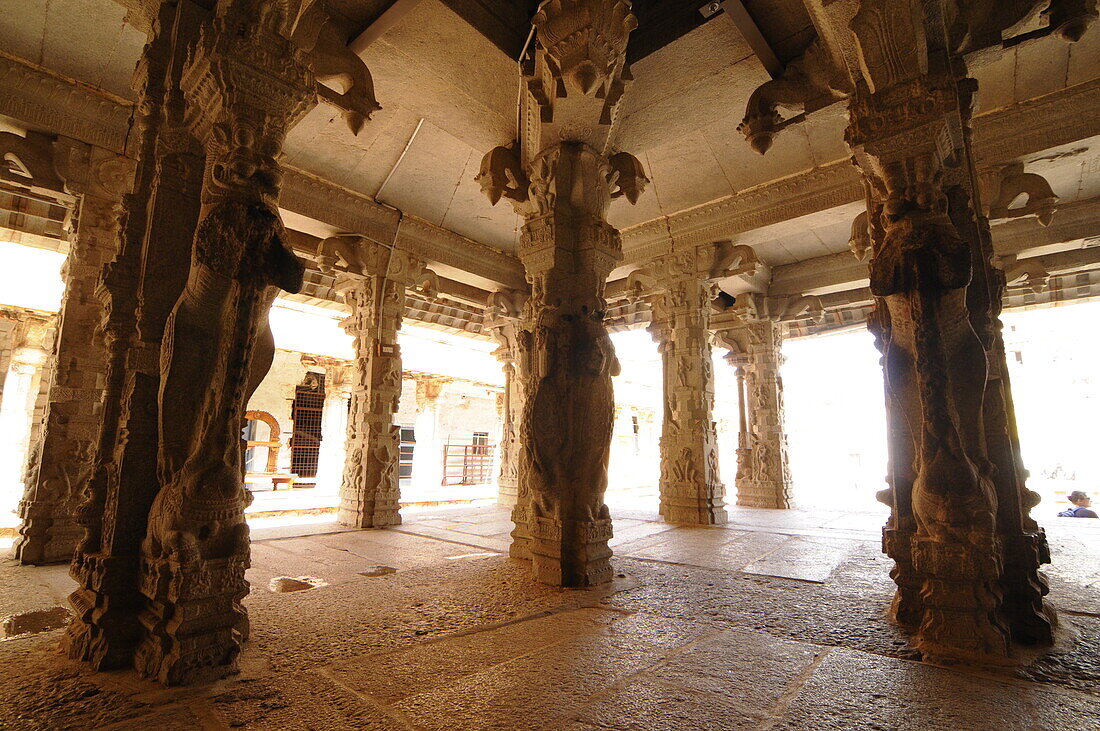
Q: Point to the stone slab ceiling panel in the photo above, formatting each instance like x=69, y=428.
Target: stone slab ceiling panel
x=1072, y=170
x=1034, y=69
x=321, y=144
x=431, y=66
x=686, y=85
x=435, y=181
x=85, y=40
x=437, y=66
x=359, y=13
x=806, y=237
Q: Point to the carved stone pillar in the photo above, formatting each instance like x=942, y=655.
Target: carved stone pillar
x=334, y=427
x=427, y=459
x=561, y=176
x=680, y=296
x=372, y=279
x=186, y=335
x=966, y=554
x=64, y=457
x=23, y=383
x=138, y=289
x=245, y=84
x=569, y=361
x=763, y=473
x=503, y=322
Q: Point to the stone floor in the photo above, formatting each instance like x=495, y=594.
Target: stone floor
x=773, y=622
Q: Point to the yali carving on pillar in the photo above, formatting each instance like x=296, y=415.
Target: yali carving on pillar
x=964, y=585
x=245, y=84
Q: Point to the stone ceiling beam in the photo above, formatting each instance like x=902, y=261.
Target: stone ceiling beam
x=850, y=308
x=748, y=28
x=390, y=17
x=52, y=103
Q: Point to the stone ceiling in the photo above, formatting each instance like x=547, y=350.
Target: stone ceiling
x=448, y=87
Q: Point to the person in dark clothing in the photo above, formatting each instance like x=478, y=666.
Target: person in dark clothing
x=1080, y=509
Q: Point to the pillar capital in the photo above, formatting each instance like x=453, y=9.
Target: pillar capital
x=245, y=84
x=90, y=170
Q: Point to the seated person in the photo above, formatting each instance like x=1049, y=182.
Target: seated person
x=1080, y=509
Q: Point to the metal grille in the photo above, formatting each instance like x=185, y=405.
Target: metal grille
x=405, y=453
x=468, y=464
x=305, y=441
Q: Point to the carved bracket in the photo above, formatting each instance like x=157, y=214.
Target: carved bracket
x=809, y=81
x=752, y=307
x=343, y=80
x=1029, y=271
x=1041, y=201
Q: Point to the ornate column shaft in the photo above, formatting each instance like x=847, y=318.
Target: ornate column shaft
x=956, y=488
x=245, y=84
x=372, y=279
x=568, y=253
x=763, y=473
x=503, y=322
x=64, y=456
x=680, y=297
x=138, y=289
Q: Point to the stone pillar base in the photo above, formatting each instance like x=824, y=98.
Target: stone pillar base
x=775, y=497
x=693, y=509
x=368, y=514
x=521, y=534
x=1023, y=588
x=906, y=606
x=571, y=553
x=959, y=622
x=47, y=534
x=507, y=495
x=103, y=631
x=193, y=619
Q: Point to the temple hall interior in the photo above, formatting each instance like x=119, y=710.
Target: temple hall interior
x=616, y=365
